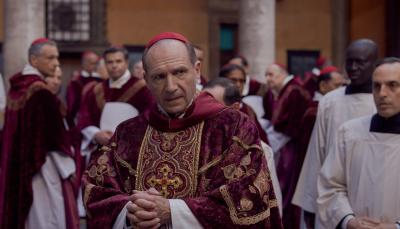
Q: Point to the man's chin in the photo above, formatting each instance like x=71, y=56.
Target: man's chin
x=385, y=113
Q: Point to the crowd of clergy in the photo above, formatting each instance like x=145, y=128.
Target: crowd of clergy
x=155, y=143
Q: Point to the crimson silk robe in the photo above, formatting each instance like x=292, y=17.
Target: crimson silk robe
x=75, y=94
x=285, y=114
x=307, y=125
x=211, y=158
x=310, y=83
x=33, y=127
x=134, y=92
x=254, y=87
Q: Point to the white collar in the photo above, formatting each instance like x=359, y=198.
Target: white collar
x=30, y=70
x=317, y=96
x=121, y=81
x=168, y=116
x=86, y=74
x=246, y=87
x=287, y=79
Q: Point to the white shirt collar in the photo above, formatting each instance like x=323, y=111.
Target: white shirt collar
x=86, y=74
x=287, y=79
x=121, y=81
x=317, y=96
x=168, y=116
x=30, y=70
x=246, y=87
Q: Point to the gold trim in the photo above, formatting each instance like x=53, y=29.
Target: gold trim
x=16, y=104
x=244, y=145
x=212, y=163
x=155, y=142
x=247, y=220
x=125, y=164
x=99, y=93
x=86, y=194
x=135, y=88
x=262, y=182
x=139, y=166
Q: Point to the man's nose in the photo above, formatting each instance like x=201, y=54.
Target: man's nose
x=383, y=91
x=170, y=83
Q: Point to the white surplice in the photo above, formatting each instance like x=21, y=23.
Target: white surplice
x=334, y=109
x=360, y=176
x=47, y=209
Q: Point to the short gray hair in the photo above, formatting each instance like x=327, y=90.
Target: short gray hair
x=35, y=49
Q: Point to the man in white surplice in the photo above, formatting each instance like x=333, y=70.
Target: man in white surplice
x=335, y=108
x=358, y=185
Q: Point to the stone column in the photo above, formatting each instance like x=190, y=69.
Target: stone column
x=340, y=30
x=257, y=35
x=24, y=21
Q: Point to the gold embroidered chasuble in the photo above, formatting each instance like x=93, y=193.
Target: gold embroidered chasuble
x=169, y=161
x=210, y=160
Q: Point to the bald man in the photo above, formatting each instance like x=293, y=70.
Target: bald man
x=80, y=79
x=189, y=162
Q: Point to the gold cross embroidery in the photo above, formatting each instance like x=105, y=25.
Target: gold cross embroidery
x=164, y=181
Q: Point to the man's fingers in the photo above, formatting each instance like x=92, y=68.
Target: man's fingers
x=153, y=191
x=369, y=221
x=149, y=223
x=142, y=203
x=145, y=215
x=142, y=195
x=131, y=207
x=132, y=218
x=156, y=226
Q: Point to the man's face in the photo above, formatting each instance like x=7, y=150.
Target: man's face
x=386, y=89
x=170, y=75
x=54, y=81
x=274, y=77
x=116, y=65
x=336, y=80
x=237, y=78
x=238, y=61
x=359, y=65
x=137, y=70
x=47, y=60
x=89, y=62
x=199, y=54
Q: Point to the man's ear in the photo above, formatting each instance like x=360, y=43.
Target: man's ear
x=33, y=60
x=197, y=67
x=145, y=76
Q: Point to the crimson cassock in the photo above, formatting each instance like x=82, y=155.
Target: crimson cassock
x=285, y=114
x=134, y=92
x=310, y=83
x=75, y=92
x=253, y=116
x=211, y=158
x=307, y=125
x=33, y=127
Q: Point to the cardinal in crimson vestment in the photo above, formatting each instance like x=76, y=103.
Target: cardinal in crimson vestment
x=188, y=162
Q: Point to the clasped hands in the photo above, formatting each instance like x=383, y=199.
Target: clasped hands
x=367, y=223
x=148, y=209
